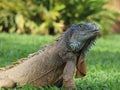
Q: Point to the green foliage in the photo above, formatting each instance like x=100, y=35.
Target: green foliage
x=30, y=16
x=52, y=16
x=90, y=11
x=103, y=65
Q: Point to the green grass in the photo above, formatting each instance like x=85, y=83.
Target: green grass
x=103, y=60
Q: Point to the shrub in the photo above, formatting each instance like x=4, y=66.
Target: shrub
x=51, y=17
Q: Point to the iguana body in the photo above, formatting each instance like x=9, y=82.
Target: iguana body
x=55, y=65
x=45, y=64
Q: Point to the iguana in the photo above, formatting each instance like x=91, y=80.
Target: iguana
x=56, y=63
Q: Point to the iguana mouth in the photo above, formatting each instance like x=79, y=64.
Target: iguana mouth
x=96, y=31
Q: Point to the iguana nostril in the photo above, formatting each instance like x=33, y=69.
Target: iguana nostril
x=97, y=28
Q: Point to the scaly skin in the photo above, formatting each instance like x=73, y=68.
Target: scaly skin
x=55, y=65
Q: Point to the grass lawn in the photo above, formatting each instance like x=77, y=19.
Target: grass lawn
x=103, y=60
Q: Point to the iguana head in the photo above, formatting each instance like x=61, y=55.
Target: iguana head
x=82, y=35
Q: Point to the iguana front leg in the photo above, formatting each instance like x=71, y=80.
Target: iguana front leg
x=69, y=69
x=68, y=74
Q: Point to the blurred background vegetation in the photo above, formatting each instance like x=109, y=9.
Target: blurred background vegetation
x=53, y=16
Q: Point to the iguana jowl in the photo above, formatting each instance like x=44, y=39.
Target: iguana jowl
x=55, y=65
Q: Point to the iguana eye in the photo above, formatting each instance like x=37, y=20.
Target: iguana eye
x=80, y=26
